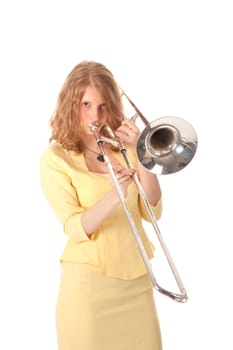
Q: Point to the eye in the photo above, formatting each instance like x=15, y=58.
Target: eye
x=103, y=107
x=85, y=104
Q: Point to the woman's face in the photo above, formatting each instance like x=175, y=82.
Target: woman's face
x=92, y=109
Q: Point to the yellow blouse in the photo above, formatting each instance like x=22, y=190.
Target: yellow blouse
x=71, y=189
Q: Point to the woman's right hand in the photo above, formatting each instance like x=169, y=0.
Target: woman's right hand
x=124, y=177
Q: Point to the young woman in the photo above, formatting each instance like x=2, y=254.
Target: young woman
x=105, y=299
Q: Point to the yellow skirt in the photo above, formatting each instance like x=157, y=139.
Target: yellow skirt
x=95, y=312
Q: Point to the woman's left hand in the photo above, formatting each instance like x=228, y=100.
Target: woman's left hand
x=128, y=133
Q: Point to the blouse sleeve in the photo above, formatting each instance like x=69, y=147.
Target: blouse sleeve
x=61, y=195
x=157, y=209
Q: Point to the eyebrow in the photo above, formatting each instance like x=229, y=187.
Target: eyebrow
x=88, y=101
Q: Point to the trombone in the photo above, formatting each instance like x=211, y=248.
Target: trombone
x=165, y=146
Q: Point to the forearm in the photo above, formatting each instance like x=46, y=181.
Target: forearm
x=93, y=217
x=150, y=184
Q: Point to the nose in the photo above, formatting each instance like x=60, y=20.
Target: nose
x=94, y=115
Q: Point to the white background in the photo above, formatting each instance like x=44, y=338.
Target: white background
x=173, y=58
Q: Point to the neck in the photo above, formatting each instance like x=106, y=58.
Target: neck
x=95, y=151
x=90, y=142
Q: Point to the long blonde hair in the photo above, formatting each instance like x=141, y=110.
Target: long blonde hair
x=64, y=123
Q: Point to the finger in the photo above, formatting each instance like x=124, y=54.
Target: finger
x=124, y=179
x=117, y=168
x=127, y=134
x=125, y=172
x=130, y=125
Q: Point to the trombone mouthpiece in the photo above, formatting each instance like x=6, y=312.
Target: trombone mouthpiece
x=94, y=126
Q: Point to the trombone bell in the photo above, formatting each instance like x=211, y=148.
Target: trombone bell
x=167, y=145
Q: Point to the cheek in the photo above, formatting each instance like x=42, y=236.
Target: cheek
x=104, y=118
x=84, y=125
x=83, y=119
